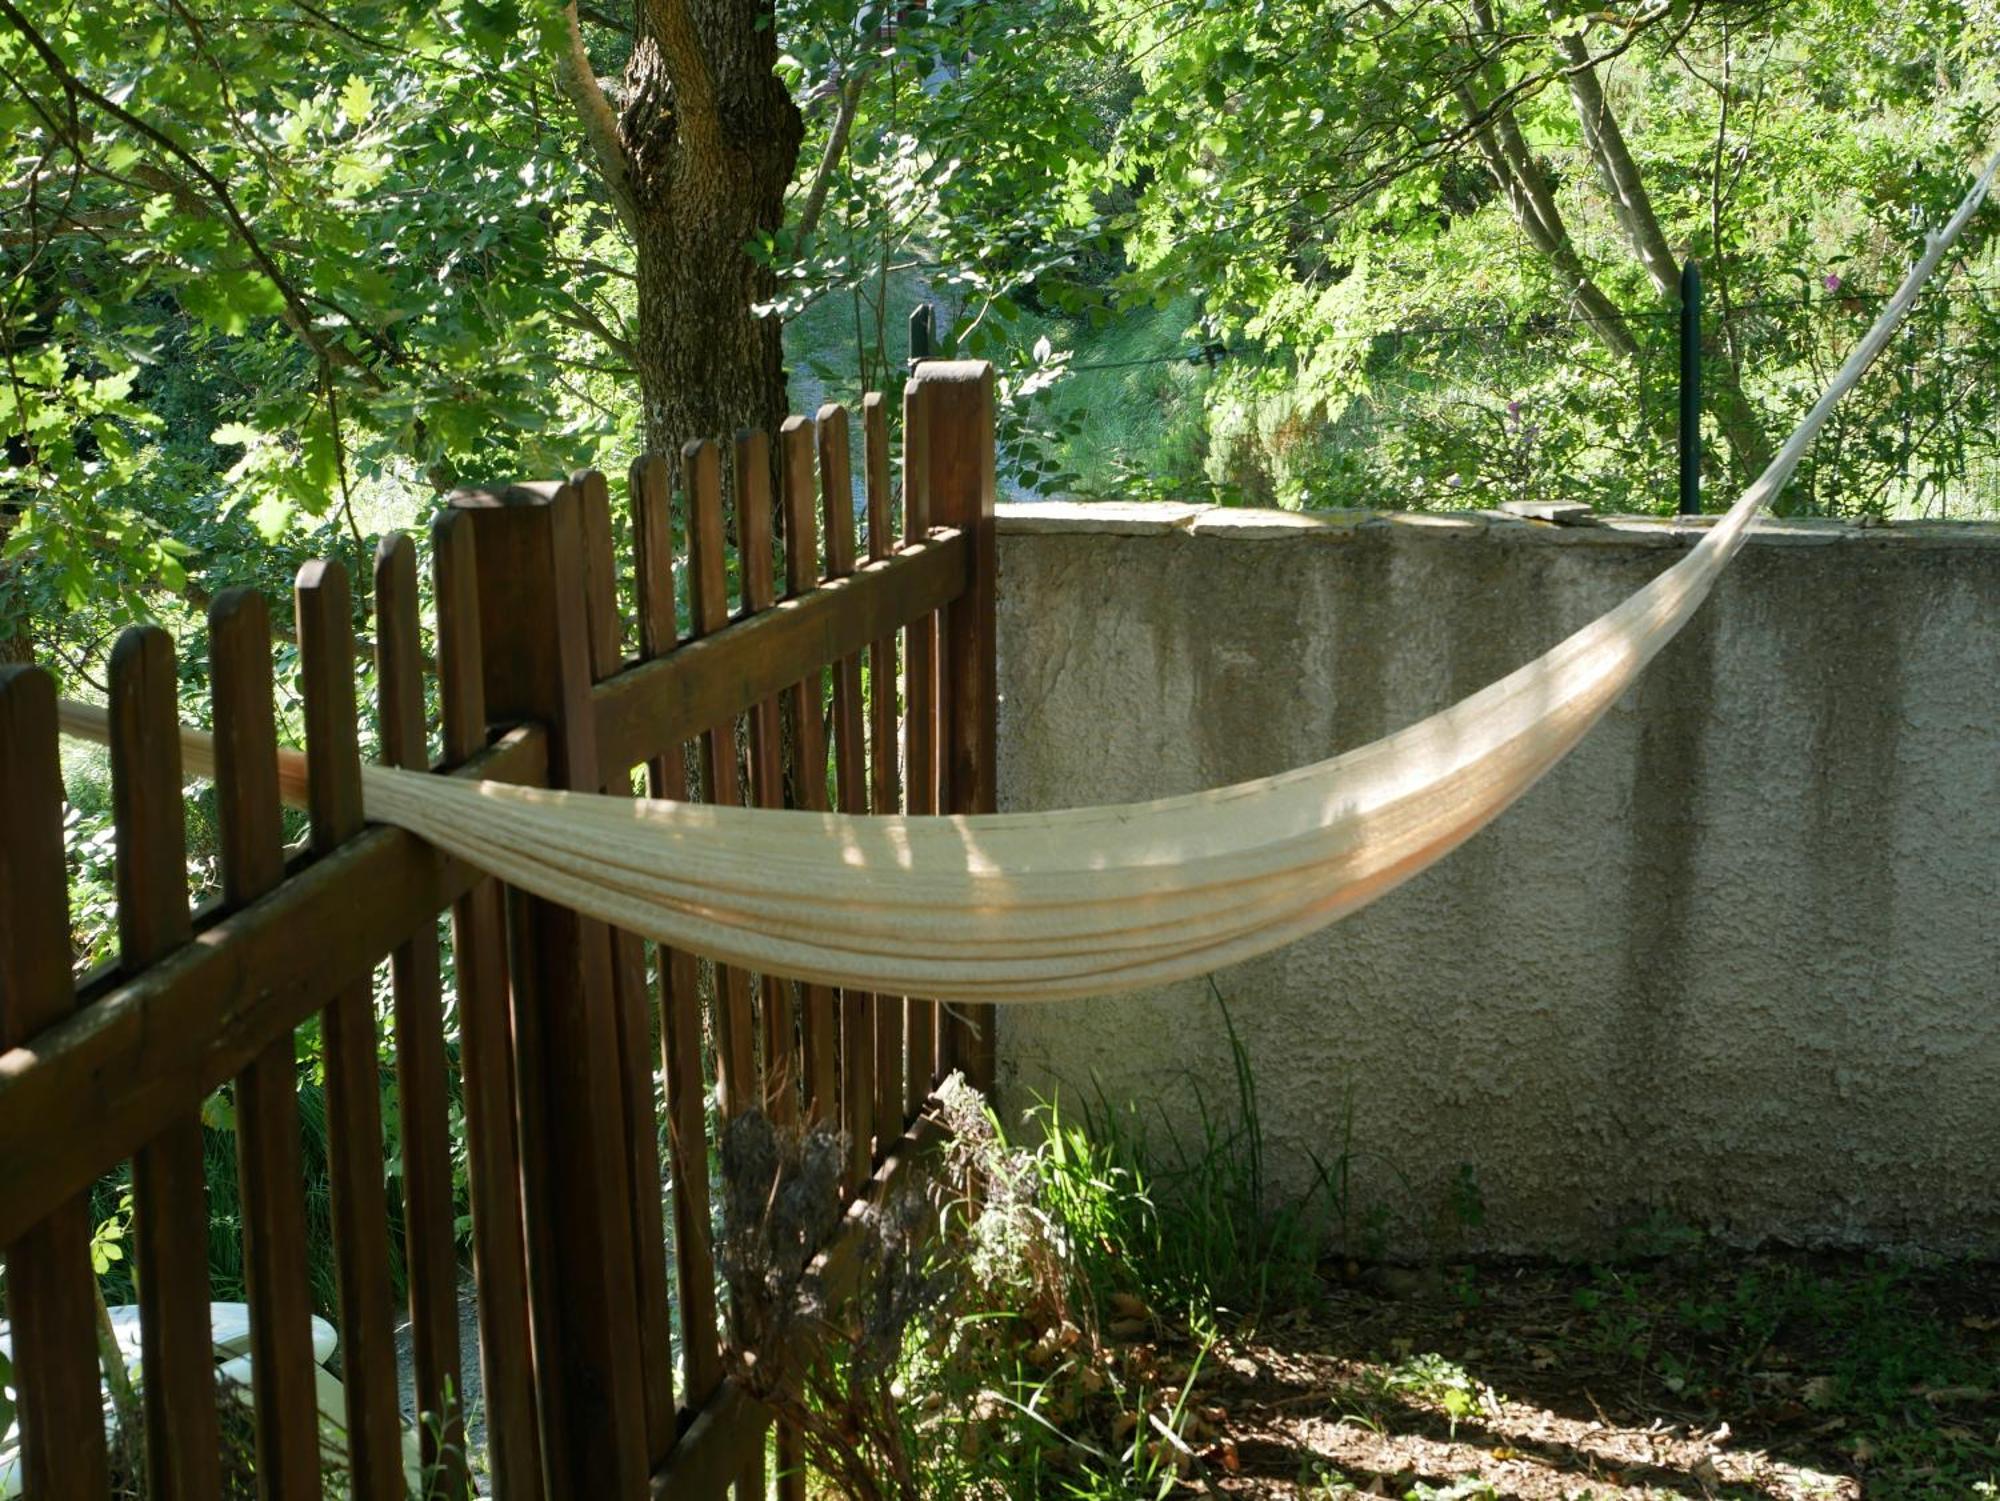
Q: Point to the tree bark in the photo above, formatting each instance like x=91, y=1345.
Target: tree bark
x=711, y=139
x=697, y=166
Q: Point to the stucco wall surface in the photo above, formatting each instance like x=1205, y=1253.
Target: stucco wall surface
x=1735, y=963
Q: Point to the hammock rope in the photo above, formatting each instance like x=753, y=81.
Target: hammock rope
x=1055, y=905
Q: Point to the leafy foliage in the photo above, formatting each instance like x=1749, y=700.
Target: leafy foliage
x=1336, y=186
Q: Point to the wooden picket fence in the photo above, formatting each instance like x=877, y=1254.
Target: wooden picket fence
x=565, y=1029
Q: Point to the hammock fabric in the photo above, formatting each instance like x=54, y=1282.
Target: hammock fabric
x=1047, y=906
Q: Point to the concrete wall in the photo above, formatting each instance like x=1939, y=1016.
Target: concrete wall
x=1734, y=963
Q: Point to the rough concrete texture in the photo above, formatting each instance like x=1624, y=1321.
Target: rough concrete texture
x=1734, y=964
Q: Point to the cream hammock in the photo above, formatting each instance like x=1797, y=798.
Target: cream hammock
x=1047, y=906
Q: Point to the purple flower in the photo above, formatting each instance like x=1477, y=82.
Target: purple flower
x=1513, y=409
x=1832, y=281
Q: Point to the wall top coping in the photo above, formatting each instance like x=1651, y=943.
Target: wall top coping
x=1124, y=518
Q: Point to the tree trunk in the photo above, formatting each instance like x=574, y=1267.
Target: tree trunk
x=711, y=137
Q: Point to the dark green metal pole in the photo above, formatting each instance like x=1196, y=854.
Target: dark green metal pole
x=1690, y=389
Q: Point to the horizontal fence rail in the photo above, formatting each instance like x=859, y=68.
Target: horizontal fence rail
x=602, y=1351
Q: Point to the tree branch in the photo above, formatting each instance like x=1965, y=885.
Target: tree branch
x=836, y=147
x=298, y=316
x=1622, y=181
x=584, y=319
x=1534, y=209
x=578, y=80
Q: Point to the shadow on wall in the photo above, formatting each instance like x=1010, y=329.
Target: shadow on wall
x=1732, y=962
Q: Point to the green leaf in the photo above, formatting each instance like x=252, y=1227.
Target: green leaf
x=357, y=99
x=271, y=515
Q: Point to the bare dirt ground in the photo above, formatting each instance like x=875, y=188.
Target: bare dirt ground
x=1779, y=1378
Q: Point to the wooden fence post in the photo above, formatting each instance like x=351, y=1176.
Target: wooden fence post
x=954, y=405
x=269, y=1175
x=535, y=649
x=486, y=1062
x=50, y=1288
x=169, y=1183
x=323, y=607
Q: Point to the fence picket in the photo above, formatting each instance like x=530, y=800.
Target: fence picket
x=651, y=490
x=795, y=473
x=270, y=1175
x=486, y=1062
x=353, y=1102
x=752, y=466
x=850, y=750
x=635, y=1032
x=169, y=1186
x=708, y=567
x=735, y=1025
x=767, y=790
x=920, y=737
x=883, y=790
x=52, y=1292
x=431, y=1257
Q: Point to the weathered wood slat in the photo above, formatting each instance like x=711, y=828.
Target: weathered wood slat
x=169, y=1186
x=752, y=465
x=51, y=1291
x=708, y=571
x=270, y=1173
x=486, y=1064
x=884, y=782
x=734, y=1021
x=850, y=750
x=920, y=730
x=536, y=660
x=347, y=1030
x=96, y=1086
x=635, y=1030
x=711, y=681
x=431, y=1259
x=680, y=996
x=819, y=1025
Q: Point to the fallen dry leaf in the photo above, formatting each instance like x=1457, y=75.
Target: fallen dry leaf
x=1126, y=1306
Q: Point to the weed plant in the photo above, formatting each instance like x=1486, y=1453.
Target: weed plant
x=1049, y=1337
